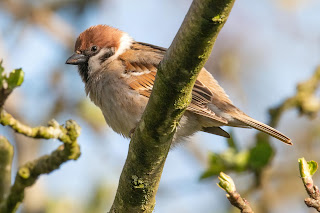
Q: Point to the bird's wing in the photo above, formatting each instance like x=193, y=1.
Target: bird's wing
x=201, y=97
x=141, y=69
x=141, y=77
x=141, y=63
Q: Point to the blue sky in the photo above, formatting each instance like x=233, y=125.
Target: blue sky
x=275, y=48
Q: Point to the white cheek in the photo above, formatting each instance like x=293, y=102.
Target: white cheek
x=125, y=43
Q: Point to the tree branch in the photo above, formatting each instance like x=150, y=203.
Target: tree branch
x=6, y=155
x=170, y=97
x=226, y=183
x=304, y=99
x=54, y=130
x=29, y=173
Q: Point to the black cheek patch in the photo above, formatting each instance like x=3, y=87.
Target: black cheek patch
x=106, y=55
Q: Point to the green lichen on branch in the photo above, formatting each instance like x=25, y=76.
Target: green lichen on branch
x=29, y=173
x=53, y=130
x=171, y=95
x=6, y=155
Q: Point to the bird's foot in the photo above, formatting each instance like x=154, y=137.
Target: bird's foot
x=131, y=132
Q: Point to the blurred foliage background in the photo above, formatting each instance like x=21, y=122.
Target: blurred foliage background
x=265, y=49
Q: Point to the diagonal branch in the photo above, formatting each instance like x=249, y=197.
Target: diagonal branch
x=170, y=97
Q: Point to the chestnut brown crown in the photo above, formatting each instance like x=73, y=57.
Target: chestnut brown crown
x=99, y=36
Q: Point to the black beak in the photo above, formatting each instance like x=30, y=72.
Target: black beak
x=77, y=59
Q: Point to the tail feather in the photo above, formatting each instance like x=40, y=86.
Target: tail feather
x=264, y=128
x=216, y=131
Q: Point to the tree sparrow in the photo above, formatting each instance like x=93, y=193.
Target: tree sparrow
x=119, y=73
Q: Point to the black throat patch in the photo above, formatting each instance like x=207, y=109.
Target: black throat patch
x=83, y=71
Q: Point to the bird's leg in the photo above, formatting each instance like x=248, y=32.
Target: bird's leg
x=131, y=132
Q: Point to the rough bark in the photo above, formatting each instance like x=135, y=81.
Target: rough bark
x=170, y=97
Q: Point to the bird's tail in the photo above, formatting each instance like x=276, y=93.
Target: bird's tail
x=264, y=128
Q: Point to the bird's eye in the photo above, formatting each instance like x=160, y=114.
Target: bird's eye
x=94, y=48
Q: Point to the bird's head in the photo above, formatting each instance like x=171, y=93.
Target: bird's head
x=97, y=45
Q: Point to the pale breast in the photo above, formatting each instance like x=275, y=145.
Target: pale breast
x=121, y=106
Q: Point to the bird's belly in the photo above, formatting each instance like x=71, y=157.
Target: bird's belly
x=122, y=108
x=188, y=125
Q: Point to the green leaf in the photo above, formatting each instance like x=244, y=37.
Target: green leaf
x=226, y=183
x=313, y=166
x=15, y=78
x=260, y=155
x=307, y=169
x=241, y=161
x=227, y=161
x=216, y=165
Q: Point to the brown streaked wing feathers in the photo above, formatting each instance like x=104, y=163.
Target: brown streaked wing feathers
x=201, y=96
x=139, y=81
x=142, y=71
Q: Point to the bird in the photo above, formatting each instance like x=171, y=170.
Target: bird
x=119, y=73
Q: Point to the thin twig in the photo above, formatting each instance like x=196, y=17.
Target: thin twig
x=53, y=130
x=307, y=169
x=304, y=99
x=226, y=183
